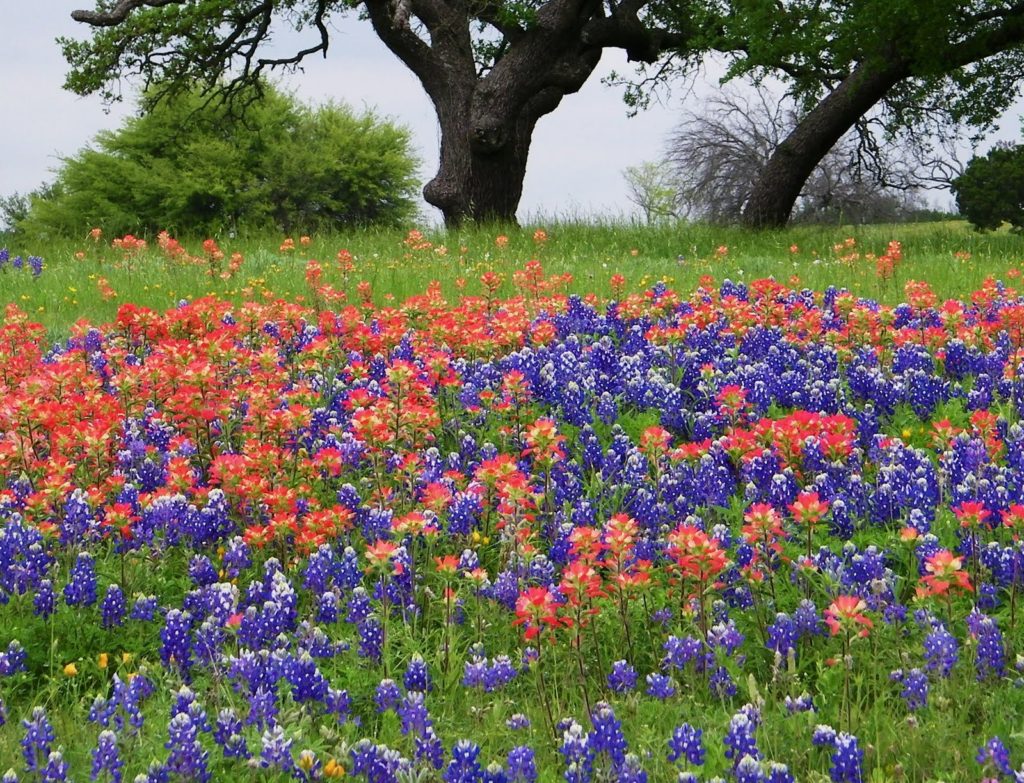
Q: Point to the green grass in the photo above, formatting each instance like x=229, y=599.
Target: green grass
x=679, y=254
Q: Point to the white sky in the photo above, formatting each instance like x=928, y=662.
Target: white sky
x=576, y=162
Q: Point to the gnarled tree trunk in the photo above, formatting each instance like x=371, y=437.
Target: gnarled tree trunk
x=487, y=119
x=778, y=187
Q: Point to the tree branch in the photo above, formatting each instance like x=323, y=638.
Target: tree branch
x=119, y=12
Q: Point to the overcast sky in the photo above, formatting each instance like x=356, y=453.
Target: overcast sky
x=576, y=162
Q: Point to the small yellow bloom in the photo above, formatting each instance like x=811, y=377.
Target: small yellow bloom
x=71, y=670
x=102, y=660
x=906, y=433
x=332, y=769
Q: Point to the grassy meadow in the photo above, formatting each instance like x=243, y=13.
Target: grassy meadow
x=89, y=279
x=698, y=525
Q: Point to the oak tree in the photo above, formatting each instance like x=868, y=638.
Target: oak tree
x=492, y=68
x=897, y=64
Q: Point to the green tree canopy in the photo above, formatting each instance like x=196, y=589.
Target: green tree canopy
x=893, y=66
x=191, y=166
x=991, y=189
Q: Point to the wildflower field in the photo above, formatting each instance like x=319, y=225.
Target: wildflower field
x=513, y=508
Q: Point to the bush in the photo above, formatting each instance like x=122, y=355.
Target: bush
x=991, y=189
x=193, y=167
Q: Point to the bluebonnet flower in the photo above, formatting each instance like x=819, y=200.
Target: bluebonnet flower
x=941, y=651
x=276, y=750
x=606, y=735
x=782, y=634
x=429, y=748
x=413, y=715
x=915, y=687
x=308, y=683
x=622, y=678
x=35, y=263
x=185, y=702
x=989, y=656
x=521, y=765
x=377, y=762
x=56, y=769
x=262, y=708
x=44, y=603
x=12, y=660
x=779, y=773
x=236, y=557
x=847, y=760
x=679, y=651
x=464, y=766
x=327, y=608
x=576, y=753
x=38, y=740
x=387, y=695
x=187, y=757
x=802, y=703
x=106, y=759
x=228, y=734
x=113, y=608
x=823, y=735
x=748, y=770
x=686, y=741
x=726, y=636
x=517, y=721
x=338, y=704
x=417, y=675
x=371, y=639
x=474, y=672
x=144, y=608
x=499, y=673
x=993, y=754
x=81, y=587
x=721, y=683
x=630, y=770
x=176, y=636
x=660, y=686
x=201, y=571
x=740, y=739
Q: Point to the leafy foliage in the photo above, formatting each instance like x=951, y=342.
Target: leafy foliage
x=991, y=189
x=195, y=166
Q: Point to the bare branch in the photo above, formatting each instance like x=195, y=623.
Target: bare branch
x=717, y=155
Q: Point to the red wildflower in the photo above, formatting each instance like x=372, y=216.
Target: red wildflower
x=846, y=613
x=535, y=608
x=944, y=572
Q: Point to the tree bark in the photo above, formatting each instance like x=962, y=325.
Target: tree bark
x=776, y=190
x=487, y=120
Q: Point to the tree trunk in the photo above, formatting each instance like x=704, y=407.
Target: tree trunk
x=480, y=176
x=779, y=185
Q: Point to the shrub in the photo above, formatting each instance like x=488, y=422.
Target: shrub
x=991, y=189
x=192, y=167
